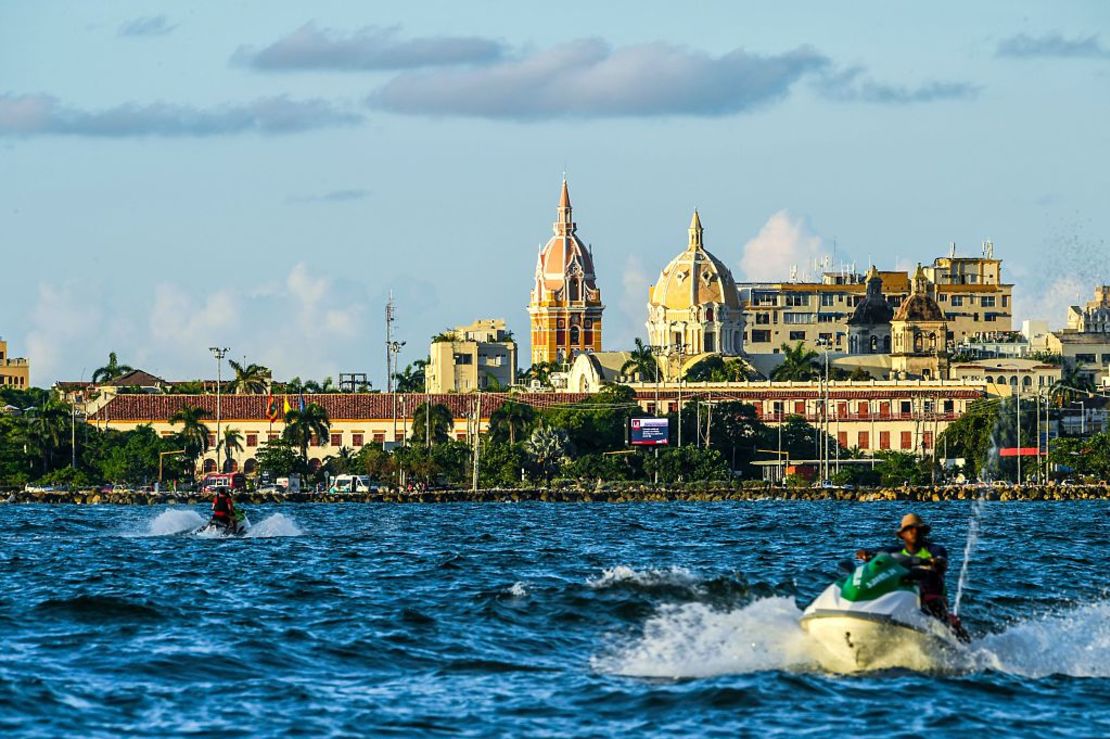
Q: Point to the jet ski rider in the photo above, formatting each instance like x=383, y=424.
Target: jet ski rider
x=223, y=508
x=914, y=534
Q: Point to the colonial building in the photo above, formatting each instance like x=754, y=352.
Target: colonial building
x=694, y=307
x=565, y=307
x=480, y=356
x=1009, y=376
x=1085, y=343
x=969, y=291
x=917, y=334
x=869, y=326
x=14, y=371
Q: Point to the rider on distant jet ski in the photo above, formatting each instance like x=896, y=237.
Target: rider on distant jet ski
x=930, y=570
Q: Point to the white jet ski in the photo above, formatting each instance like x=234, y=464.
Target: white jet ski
x=872, y=620
x=217, y=529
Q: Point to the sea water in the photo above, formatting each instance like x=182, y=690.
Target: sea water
x=529, y=619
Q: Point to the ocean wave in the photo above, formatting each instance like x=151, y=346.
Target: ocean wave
x=276, y=525
x=99, y=608
x=173, y=521
x=621, y=576
x=1074, y=643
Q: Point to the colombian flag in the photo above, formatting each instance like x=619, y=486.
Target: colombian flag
x=273, y=412
x=286, y=407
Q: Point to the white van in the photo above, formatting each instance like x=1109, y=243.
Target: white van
x=352, y=484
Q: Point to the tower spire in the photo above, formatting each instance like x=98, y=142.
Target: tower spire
x=695, y=232
x=564, y=224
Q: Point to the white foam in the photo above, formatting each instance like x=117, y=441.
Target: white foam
x=620, y=575
x=174, y=521
x=273, y=526
x=693, y=640
x=517, y=590
x=1076, y=643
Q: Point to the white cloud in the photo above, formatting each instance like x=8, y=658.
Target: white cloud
x=785, y=241
x=627, y=324
x=62, y=317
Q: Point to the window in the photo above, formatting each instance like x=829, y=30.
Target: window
x=863, y=440
x=949, y=406
x=314, y=441
x=464, y=359
x=794, y=336
x=927, y=439
x=710, y=343
x=826, y=337
x=827, y=317
x=252, y=440
x=356, y=439
x=907, y=407
x=271, y=436
x=796, y=318
x=337, y=439
x=884, y=440
x=211, y=440
x=795, y=300
x=761, y=337
x=762, y=319
x=1106, y=358
x=827, y=299
x=957, y=300
x=379, y=437
x=800, y=407
x=1088, y=358
x=842, y=440
x=906, y=440
x=987, y=301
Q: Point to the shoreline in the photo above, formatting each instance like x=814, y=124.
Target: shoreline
x=646, y=494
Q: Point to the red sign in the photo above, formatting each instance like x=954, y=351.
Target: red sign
x=1019, y=451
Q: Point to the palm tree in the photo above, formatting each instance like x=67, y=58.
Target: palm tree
x=293, y=386
x=47, y=428
x=509, y=418
x=302, y=425
x=250, y=379
x=641, y=362
x=547, y=447
x=194, y=434
x=798, y=363
x=232, y=442
x=541, y=372
x=411, y=379
x=1073, y=382
x=432, y=423
x=110, y=371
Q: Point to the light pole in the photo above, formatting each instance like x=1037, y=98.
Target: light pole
x=219, y=352
x=824, y=445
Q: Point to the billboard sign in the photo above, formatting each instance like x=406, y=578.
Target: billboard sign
x=649, y=432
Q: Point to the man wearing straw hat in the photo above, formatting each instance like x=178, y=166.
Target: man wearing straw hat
x=914, y=534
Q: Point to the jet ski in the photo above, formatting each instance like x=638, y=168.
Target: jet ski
x=872, y=620
x=217, y=528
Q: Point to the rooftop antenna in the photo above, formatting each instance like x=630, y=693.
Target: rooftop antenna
x=952, y=249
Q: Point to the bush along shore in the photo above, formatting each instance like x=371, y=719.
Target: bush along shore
x=600, y=494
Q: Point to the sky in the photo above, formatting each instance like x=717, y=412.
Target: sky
x=262, y=175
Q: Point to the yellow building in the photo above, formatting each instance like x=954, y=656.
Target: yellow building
x=14, y=371
x=565, y=307
x=969, y=291
x=694, y=307
x=1085, y=343
x=1008, y=376
x=480, y=356
x=917, y=334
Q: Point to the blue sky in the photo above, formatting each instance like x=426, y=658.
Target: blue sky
x=260, y=175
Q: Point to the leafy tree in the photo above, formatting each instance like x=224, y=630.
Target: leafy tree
x=598, y=423
x=232, y=442
x=342, y=463
x=411, y=379
x=447, y=463
x=193, y=434
x=277, y=458
x=110, y=371
x=500, y=464
x=716, y=368
x=374, y=461
x=605, y=467
x=1088, y=456
x=641, y=363
x=447, y=335
x=799, y=438
x=302, y=425
x=896, y=468
x=250, y=379
x=47, y=430
x=687, y=463
x=799, y=364
x=432, y=423
x=540, y=372
x=971, y=436
x=1074, y=384
x=510, y=420
x=548, y=448
x=131, y=456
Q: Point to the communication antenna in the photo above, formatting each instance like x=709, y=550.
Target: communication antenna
x=793, y=273
x=952, y=249
x=392, y=347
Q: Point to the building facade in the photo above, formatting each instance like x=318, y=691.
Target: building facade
x=969, y=291
x=1008, y=376
x=869, y=326
x=1085, y=343
x=14, y=371
x=481, y=356
x=694, y=306
x=917, y=334
x=565, y=306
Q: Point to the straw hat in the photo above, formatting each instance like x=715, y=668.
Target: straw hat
x=912, y=520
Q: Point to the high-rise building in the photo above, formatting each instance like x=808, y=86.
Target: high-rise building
x=694, y=307
x=481, y=356
x=565, y=306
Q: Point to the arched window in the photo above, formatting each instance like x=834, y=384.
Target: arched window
x=874, y=344
x=250, y=466
x=709, y=313
x=1013, y=380
x=573, y=289
x=209, y=465
x=932, y=342
x=1027, y=381
x=710, y=342
x=917, y=343
x=886, y=344
x=575, y=336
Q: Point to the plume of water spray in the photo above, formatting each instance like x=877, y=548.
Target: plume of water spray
x=969, y=550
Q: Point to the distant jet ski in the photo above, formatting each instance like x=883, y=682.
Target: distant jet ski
x=239, y=526
x=873, y=620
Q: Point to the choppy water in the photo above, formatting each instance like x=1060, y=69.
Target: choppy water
x=529, y=619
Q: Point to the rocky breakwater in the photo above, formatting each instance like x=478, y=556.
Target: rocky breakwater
x=691, y=492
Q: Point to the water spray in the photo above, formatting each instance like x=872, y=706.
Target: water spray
x=969, y=550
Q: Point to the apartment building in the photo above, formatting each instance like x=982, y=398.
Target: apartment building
x=14, y=371
x=480, y=356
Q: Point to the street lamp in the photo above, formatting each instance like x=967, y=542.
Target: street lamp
x=824, y=441
x=219, y=352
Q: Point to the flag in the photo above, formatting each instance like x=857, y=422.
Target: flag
x=285, y=405
x=300, y=406
x=273, y=412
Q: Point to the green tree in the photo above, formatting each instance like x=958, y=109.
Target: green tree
x=232, y=443
x=47, y=430
x=598, y=423
x=972, y=436
x=687, y=464
x=500, y=464
x=277, y=458
x=799, y=438
x=799, y=364
x=641, y=363
x=716, y=368
x=131, y=456
x=193, y=434
x=548, y=448
x=301, y=426
x=540, y=372
x=1074, y=384
x=374, y=461
x=250, y=379
x=511, y=420
x=1088, y=456
x=411, y=379
x=432, y=423
x=110, y=371
x=896, y=468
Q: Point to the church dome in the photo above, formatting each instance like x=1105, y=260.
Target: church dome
x=873, y=309
x=565, y=263
x=694, y=277
x=920, y=305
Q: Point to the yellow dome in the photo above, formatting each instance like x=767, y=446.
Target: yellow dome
x=694, y=277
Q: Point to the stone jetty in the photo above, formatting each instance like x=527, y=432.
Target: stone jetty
x=692, y=492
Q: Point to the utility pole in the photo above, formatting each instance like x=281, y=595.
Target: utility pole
x=1017, y=417
x=219, y=352
x=392, y=349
